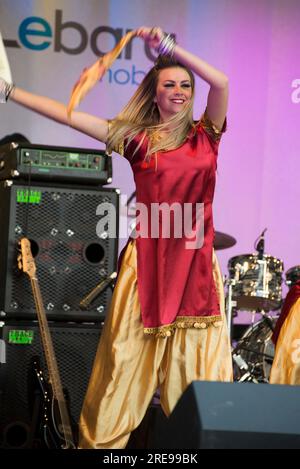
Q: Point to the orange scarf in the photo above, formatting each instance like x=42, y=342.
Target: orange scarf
x=90, y=76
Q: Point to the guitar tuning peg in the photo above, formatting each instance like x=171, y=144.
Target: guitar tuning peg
x=20, y=265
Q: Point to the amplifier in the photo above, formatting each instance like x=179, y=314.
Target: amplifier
x=74, y=247
x=43, y=162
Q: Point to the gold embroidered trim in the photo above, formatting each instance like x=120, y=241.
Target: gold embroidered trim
x=210, y=127
x=184, y=322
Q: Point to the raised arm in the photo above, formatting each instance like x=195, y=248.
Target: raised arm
x=88, y=124
x=218, y=94
x=217, y=99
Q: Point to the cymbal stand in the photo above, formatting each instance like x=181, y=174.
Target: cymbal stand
x=248, y=368
x=230, y=304
x=253, y=317
x=267, y=319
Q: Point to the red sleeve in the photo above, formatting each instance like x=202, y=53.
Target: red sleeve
x=213, y=133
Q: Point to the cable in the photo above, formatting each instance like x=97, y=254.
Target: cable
x=27, y=201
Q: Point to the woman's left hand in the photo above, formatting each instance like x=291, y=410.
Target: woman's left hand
x=153, y=36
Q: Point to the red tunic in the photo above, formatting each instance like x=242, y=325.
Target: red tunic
x=175, y=284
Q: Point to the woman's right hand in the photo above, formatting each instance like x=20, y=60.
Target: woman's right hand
x=153, y=36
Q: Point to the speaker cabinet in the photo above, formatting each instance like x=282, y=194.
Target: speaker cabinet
x=231, y=415
x=71, y=257
x=75, y=348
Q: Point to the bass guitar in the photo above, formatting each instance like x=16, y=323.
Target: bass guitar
x=56, y=423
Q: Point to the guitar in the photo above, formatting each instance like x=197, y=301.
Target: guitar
x=56, y=424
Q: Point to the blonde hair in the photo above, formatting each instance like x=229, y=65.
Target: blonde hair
x=141, y=116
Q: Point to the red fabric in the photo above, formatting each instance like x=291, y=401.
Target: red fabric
x=172, y=280
x=289, y=301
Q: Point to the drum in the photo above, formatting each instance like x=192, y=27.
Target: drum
x=292, y=276
x=254, y=353
x=257, y=282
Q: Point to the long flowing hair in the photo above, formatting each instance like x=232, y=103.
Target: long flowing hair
x=141, y=116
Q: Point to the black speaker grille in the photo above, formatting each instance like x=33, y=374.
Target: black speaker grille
x=71, y=259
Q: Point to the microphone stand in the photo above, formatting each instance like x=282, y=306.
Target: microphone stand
x=260, y=247
x=230, y=304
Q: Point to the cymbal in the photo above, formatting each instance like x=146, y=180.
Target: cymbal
x=223, y=240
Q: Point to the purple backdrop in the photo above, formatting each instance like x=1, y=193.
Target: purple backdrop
x=255, y=43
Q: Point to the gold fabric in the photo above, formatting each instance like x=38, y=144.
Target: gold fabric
x=129, y=365
x=184, y=322
x=90, y=76
x=286, y=364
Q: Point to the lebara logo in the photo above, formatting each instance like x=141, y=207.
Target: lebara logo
x=71, y=37
x=37, y=34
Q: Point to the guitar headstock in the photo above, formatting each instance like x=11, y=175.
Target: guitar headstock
x=25, y=259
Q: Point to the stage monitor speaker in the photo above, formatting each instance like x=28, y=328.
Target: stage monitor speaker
x=231, y=415
x=75, y=347
x=71, y=257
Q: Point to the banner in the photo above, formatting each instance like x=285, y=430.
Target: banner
x=48, y=43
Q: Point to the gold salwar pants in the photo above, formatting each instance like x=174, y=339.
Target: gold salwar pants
x=130, y=366
x=286, y=365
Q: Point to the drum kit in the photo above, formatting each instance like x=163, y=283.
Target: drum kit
x=254, y=285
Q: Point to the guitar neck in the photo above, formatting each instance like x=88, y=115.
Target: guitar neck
x=54, y=376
